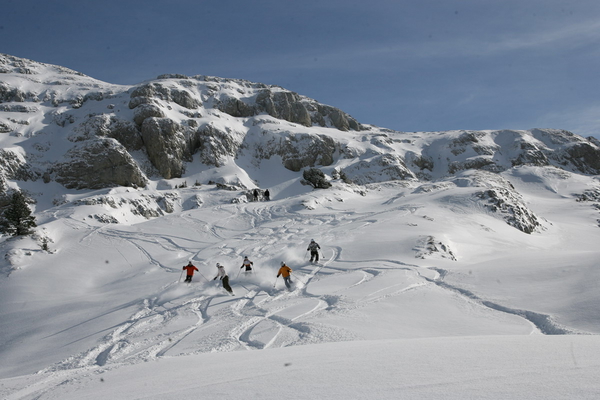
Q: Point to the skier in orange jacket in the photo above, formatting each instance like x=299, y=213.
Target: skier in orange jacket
x=190, y=268
x=286, y=272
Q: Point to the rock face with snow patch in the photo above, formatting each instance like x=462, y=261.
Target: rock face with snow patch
x=98, y=164
x=499, y=197
x=13, y=167
x=288, y=106
x=509, y=205
x=165, y=146
x=498, y=151
x=381, y=168
x=104, y=125
x=145, y=205
x=215, y=145
x=429, y=247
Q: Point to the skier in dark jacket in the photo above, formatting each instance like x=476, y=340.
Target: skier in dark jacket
x=314, y=250
x=248, y=264
x=267, y=195
x=190, y=268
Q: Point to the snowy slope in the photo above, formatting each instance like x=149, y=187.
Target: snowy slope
x=493, y=367
x=110, y=295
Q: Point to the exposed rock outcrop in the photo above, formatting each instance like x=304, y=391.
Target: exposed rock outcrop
x=429, y=247
x=497, y=151
x=299, y=151
x=289, y=106
x=510, y=206
x=284, y=105
x=12, y=166
x=581, y=156
x=502, y=199
x=147, y=206
x=98, y=164
x=165, y=145
x=145, y=93
x=145, y=111
x=106, y=125
x=381, y=168
x=215, y=145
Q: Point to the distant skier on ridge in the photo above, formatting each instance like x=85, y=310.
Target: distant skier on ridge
x=314, y=250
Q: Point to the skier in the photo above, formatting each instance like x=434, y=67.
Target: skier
x=190, y=268
x=222, y=275
x=248, y=264
x=286, y=272
x=267, y=195
x=255, y=193
x=314, y=250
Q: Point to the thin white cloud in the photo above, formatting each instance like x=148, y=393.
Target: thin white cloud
x=574, y=35
x=553, y=38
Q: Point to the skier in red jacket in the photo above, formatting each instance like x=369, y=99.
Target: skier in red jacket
x=190, y=268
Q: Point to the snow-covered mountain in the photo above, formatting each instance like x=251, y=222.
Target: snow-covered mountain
x=84, y=133
x=433, y=244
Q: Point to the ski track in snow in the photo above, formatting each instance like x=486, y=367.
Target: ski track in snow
x=188, y=319
x=543, y=323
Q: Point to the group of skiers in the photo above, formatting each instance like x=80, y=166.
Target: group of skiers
x=221, y=274
x=284, y=270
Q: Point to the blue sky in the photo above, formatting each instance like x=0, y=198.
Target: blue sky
x=419, y=65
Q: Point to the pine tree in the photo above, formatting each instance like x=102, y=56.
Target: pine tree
x=16, y=218
x=316, y=178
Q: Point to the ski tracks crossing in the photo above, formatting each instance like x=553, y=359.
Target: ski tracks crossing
x=181, y=319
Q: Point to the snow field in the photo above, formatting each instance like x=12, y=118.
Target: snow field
x=380, y=314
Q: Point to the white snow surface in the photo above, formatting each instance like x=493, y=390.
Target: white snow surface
x=105, y=313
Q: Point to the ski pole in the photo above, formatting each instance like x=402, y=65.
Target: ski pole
x=305, y=254
x=275, y=282
x=237, y=276
x=203, y=276
x=297, y=277
x=180, y=275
